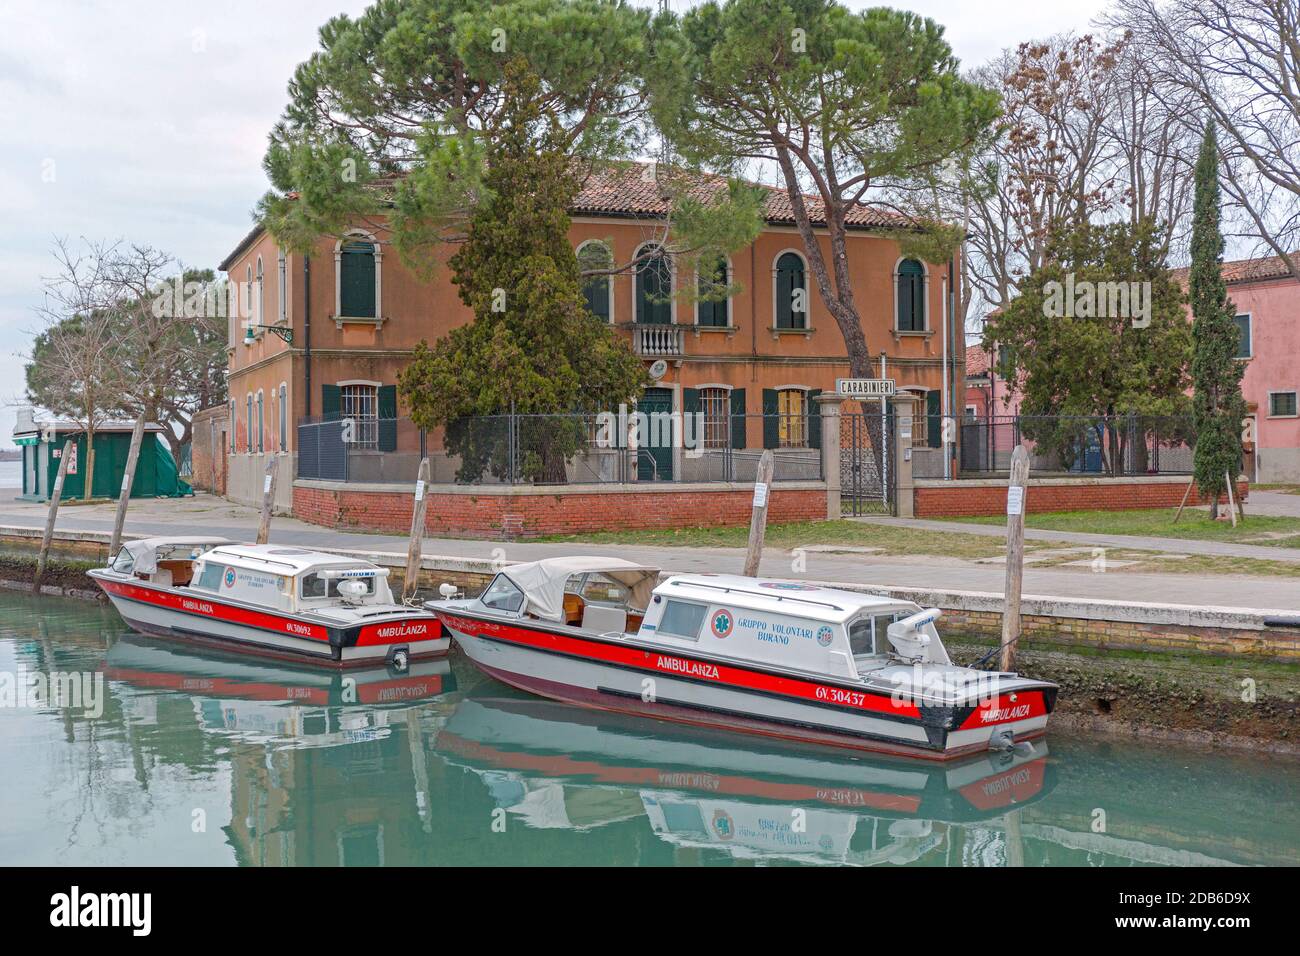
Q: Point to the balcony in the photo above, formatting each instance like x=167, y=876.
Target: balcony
x=657, y=341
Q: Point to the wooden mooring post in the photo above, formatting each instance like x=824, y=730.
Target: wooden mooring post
x=1016, y=493
x=268, y=500
x=758, y=520
x=415, y=548
x=128, y=478
x=55, y=494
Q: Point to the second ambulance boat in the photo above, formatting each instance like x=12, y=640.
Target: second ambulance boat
x=269, y=600
x=778, y=658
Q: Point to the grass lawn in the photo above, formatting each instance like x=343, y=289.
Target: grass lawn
x=890, y=539
x=1195, y=524
x=1286, y=489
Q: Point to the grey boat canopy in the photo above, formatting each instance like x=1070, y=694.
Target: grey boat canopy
x=146, y=552
x=543, y=582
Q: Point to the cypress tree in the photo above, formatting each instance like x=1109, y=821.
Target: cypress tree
x=1217, y=405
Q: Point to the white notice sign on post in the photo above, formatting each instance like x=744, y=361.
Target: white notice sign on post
x=760, y=495
x=1015, y=500
x=266, y=485
x=419, y=490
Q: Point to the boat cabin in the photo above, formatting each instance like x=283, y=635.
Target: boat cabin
x=783, y=623
x=272, y=576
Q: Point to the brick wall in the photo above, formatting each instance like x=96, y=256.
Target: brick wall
x=961, y=498
x=211, y=425
x=497, y=513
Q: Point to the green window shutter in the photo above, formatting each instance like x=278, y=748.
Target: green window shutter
x=933, y=423
x=712, y=313
x=738, y=420
x=771, y=424
x=911, y=296
x=331, y=402
x=789, y=278
x=814, y=419
x=388, y=418
x=596, y=294
x=691, y=406
x=357, y=279
x=654, y=285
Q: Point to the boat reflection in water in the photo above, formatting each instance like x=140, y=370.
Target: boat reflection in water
x=553, y=765
x=302, y=766
x=280, y=702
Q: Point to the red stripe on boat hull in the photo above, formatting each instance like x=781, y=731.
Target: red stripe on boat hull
x=585, y=697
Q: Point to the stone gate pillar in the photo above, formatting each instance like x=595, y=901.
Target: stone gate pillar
x=904, y=422
x=829, y=408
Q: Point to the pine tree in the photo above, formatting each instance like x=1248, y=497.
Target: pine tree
x=1217, y=405
x=532, y=348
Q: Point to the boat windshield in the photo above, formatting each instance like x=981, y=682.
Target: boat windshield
x=868, y=635
x=503, y=595
x=316, y=585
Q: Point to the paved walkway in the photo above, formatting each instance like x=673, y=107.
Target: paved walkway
x=1225, y=549
x=1275, y=503
x=204, y=514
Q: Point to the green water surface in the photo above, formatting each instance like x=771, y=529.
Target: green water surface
x=121, y=749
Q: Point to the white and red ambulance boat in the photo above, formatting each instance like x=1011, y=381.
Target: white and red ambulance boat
x=777, y=658
x=267, y=599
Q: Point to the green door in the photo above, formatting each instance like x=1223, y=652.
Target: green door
x=654, y=457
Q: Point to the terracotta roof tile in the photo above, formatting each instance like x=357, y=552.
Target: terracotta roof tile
x=631, y=189
x=977, y=360
x=1247, y=270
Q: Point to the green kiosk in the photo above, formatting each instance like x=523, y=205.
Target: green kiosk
x=42, y=444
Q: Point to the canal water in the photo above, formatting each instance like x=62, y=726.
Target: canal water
x=118, y=749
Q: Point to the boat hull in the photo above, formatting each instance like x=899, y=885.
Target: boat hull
x=169, y=613
x=633, y=679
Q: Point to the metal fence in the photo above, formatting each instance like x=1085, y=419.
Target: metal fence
x=563, y=449
x=1122, y=445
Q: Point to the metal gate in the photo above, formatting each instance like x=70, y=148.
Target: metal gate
x=867, y=473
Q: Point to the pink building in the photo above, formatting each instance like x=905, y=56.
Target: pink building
x=988, y=413
x=1267, y=299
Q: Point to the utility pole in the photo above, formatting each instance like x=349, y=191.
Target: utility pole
x=758, y=520
x=416, y=546
x=55, y=494
x=128, y=478
x=1016, y=493
x=268, y=500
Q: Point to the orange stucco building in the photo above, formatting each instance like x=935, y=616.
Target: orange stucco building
x=353, y=312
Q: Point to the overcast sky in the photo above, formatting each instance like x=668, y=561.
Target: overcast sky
x=148, y=120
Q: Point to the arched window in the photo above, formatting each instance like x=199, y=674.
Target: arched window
x=248, y=428
x=598, y=290
x=357, y=279
x=284, y=417
x=791, y=292
x=261, y=425
x=261, y=296
x=282, y=285
x=910, y=296
x=248, y=293
x=654, y=289
x=710, y=311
